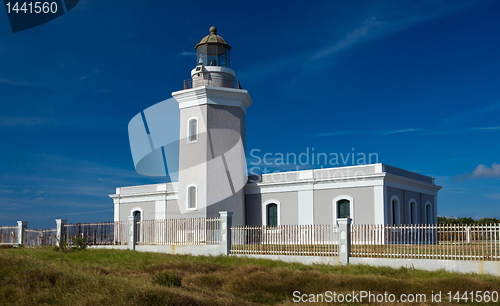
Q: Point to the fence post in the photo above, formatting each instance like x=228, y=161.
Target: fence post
x=60, y=231
x=132, y=234
x=344, y=240
x=226, y=221
x=21, y=233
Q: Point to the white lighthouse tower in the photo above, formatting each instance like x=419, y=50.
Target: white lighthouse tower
x=212, y=168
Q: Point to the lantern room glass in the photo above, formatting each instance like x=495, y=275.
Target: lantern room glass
x=213, y=55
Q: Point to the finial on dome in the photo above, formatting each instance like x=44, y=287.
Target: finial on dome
x=213, y=30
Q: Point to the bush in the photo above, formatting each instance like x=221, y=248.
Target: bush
x=167, y=279
x=80, y=243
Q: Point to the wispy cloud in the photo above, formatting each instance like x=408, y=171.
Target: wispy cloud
x=494, y=196
x=380, y=133
x=481, y=171
x=488, y=128
x=367, y=26
x=374, y=21
x=467, y=116
x=418, y=131
x=24, y=121
x=401, y=131
x=12, y=82
x=189, y=54
x=335, y=133
x=92, y=73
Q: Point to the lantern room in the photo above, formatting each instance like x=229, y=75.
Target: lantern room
x=213, y=50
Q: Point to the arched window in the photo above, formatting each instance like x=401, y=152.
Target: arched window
x=191, y=197
x=137, y=215
x=193, y=130
x=137, y=218
x=395, y=210
x=343, y=209
x=413, y=212
x=272, y=215
x=428, y=213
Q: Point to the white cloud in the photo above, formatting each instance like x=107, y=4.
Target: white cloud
x=484, y=171
x=481, y=171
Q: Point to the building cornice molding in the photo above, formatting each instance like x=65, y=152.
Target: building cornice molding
x=213, y=96
x=161, y=195
x=370, y=180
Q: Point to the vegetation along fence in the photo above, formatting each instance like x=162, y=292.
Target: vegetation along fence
x=454, y=242
x=8, y=235
x=195, y=231
x=316, y=240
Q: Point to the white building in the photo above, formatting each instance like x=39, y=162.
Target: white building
x=212, y=168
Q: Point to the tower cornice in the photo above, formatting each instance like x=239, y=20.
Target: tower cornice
x=213, y=95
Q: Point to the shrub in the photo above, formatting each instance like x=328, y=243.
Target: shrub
x=79, y=243
x=167, y=279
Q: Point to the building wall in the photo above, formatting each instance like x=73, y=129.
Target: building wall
x=225, y=172
x=404, y=197
x=307, y=198
x=363, y=204
x=288, y=203
x=173, y=211
x=148, y=210
x=192, y=160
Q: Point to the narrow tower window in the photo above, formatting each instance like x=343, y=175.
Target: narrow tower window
x=191, y=197
x=193, y=130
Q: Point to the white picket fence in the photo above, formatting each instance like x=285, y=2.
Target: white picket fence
x=194, y=231
x=9, y=235
x=315, y=240
x=452, y=242
x=39, y=237
x=98, y=233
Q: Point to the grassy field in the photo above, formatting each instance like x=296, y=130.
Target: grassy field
x=44, y=276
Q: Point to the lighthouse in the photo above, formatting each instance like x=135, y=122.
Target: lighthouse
x=212, y=168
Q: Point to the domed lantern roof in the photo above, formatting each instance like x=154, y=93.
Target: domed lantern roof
x=213, y=50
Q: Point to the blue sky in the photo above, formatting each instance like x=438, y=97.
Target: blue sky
x=415, y=83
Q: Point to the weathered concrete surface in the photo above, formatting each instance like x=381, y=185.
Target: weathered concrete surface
x=462, y=266
x=307, y=260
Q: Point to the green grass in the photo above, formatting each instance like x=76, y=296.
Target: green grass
x=43, y=276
